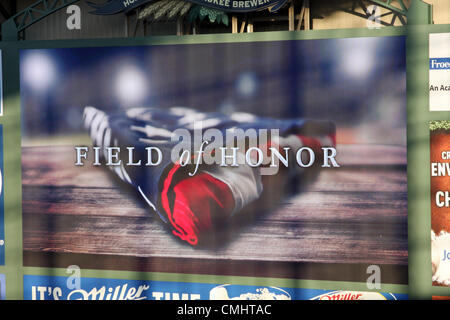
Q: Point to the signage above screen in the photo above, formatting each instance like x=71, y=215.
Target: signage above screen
x=118, y=6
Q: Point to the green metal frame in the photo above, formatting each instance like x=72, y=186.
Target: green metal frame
x=14, y=269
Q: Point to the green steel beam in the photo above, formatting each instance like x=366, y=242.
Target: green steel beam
x=365, y=14
x=388, y=5
x=420, y=13
x=39, y=11
x=34, y=13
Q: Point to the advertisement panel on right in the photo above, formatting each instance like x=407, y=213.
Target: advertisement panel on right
x=440, y=201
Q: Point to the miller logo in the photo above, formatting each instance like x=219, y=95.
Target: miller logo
x=354, y=295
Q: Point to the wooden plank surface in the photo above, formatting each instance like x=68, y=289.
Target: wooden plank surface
x=353, y=215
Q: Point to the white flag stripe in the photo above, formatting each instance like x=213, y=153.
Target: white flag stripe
x=146, y=199
x=101, y=131
x=88, y=115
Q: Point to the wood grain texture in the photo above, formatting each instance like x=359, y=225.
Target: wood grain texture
x=351, y=216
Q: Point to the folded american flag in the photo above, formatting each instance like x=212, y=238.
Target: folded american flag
x=195, y=205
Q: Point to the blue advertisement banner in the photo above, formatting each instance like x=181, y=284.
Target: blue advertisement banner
x=118, y=6
x=1, y=85
x=2, y=218
x=72, y=288
x=2, y=287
